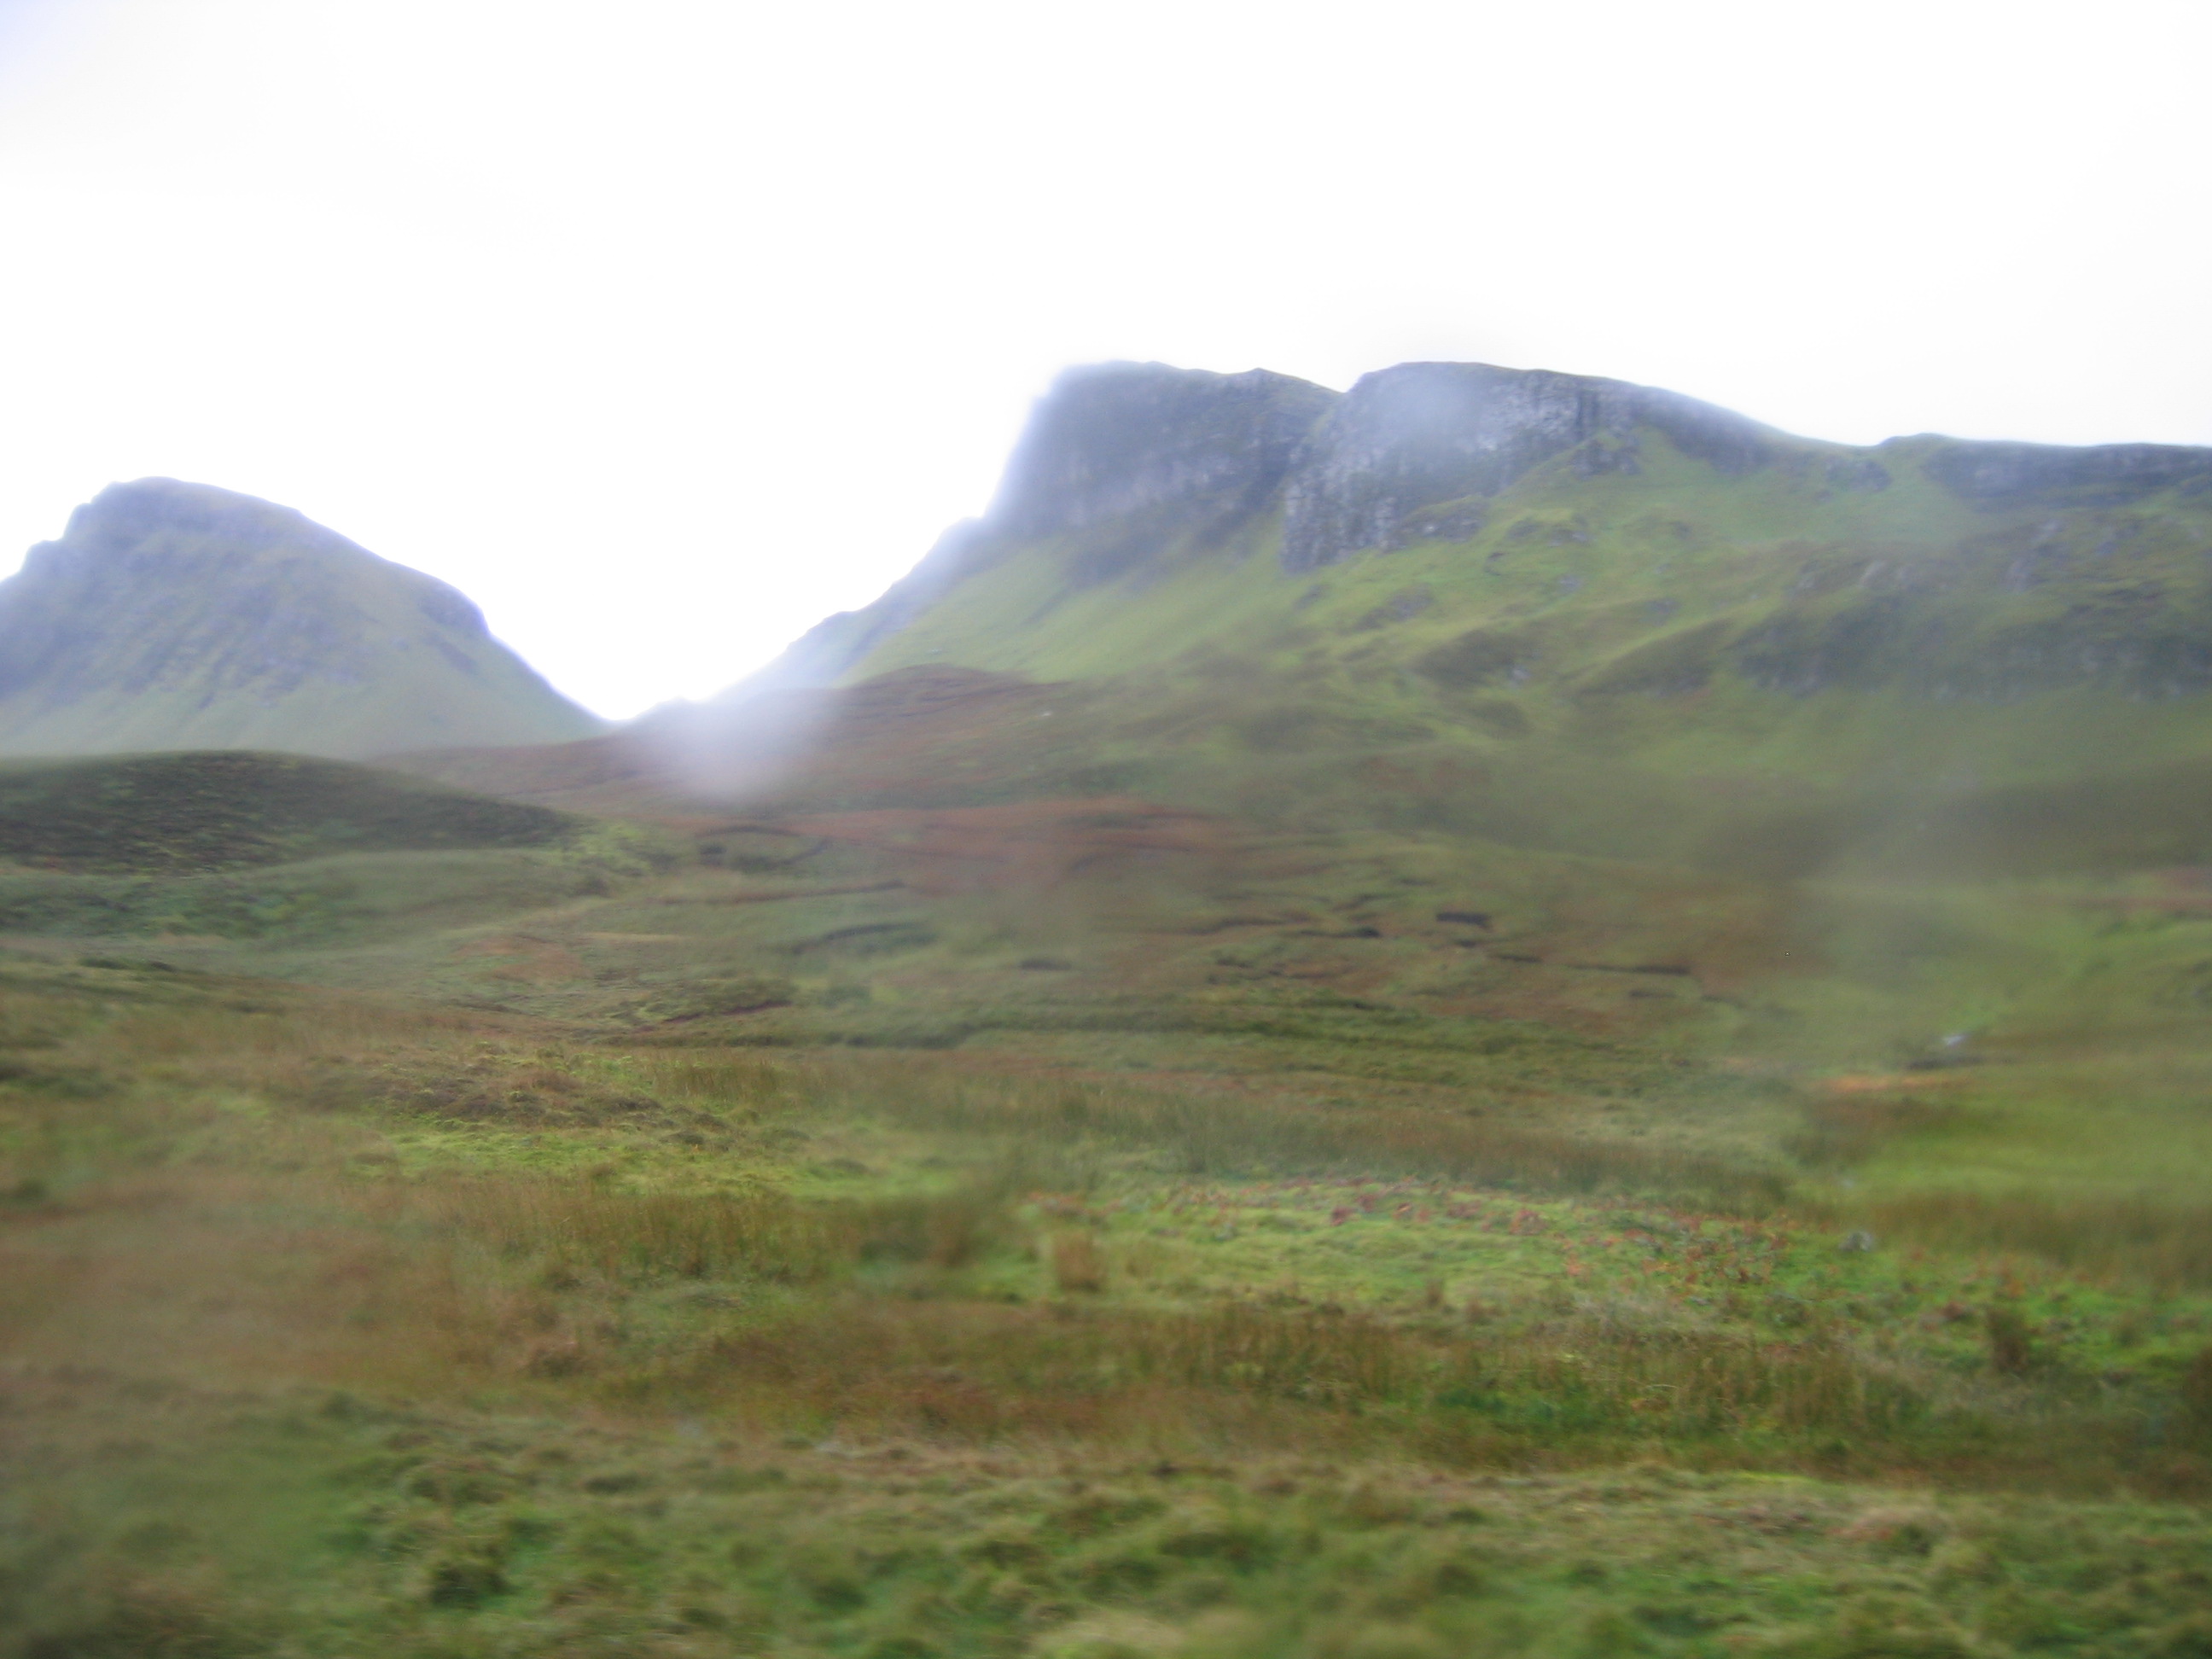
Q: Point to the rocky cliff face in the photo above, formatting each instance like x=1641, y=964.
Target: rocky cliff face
x=1120, y=438
x=1123, y=463
x=1414, y=452
x=2102, y=474
x=1137, y=455
x=175, y=616
x=1364, y=469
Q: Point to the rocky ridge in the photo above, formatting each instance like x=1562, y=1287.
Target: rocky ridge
x=1414, y=452
x=1126, y=467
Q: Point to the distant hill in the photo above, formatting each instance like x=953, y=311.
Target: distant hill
x=178, y=617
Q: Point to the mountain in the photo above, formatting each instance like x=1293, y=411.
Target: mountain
x=1138, y=484
x=175, y=616
x=1469, y=694
x=1547, y=610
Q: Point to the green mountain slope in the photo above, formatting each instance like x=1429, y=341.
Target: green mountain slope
x=173, y=616
x=1592, y=616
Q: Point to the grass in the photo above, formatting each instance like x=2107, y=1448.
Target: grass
x=192, y=812
x=454, y=1531
x=1750, y=673
x=245, y=845
x=343, y=1322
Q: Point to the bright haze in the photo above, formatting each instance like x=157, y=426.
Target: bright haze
x=663, y=328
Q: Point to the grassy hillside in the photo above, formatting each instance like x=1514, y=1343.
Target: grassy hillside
x=177, y=617
x=210, y=812
x=1773, y=663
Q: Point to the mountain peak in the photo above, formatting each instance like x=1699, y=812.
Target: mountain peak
x=123, y=516
x=1132, y=466
x=180, y=616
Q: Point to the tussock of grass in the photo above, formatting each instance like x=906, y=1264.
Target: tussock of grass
x=570, y=1228
x=1212, y=1133
x=415, y=1532
x=1561, y=1392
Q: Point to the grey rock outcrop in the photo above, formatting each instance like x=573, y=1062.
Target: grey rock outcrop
x=1129, y=472
x=1127, y=456
x=1109, y=442
x=2102, y=474
x=1119, y=438
x=1422, y=435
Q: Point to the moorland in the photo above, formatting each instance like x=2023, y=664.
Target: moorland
x=1182, y=1087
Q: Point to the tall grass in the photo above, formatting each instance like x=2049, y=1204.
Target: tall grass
x=579, y=1226
x=448, y=1287
x=1563, y=1392
x=947, y=1365
x=280, y=1043
x=2140, y=1238
x=1209, y=1134
x=865, y=1316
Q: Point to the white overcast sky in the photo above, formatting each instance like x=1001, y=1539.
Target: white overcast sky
x=664, y=327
